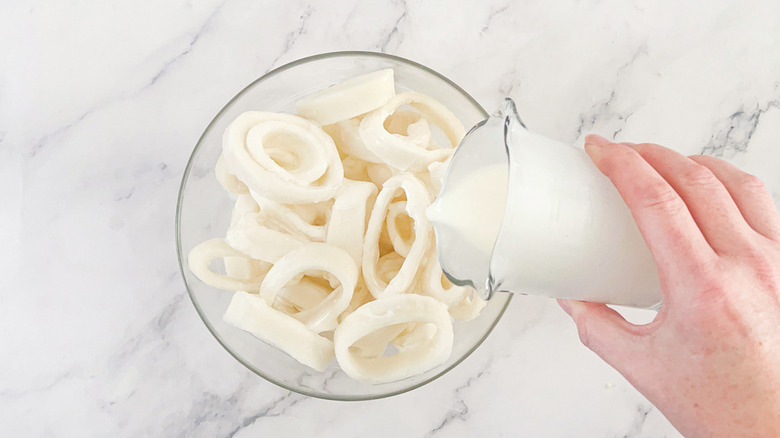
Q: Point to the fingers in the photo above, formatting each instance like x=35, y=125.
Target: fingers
x=601, y=329
x=674, y=239
x=708, y=201
x=749, y=193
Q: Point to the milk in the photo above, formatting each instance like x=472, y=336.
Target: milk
x=474, y=208
x=519, y=212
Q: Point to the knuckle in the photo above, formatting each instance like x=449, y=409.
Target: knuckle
x=751, y=183
x=701, y=176
x=662, y=198
x=583, y=330
x=710, y=281
x=763, y=265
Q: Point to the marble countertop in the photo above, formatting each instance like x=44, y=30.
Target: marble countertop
x=101, y=103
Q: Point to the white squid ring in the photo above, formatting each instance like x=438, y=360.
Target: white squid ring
x=355, y=169
x=347, y=223
x=463, y=302
x=346, y=136
x=315, y=257
x=378, y=173
x=252, y=314
x=411, y=125
x=285, y=218
x=303, y=295
x=398, y=150
x=316, y=172
x=227, y=180
x=375, y=343
x=349, y=98
x=401, y=239
x=250, y=237
x=417, y=200
x=201, y=256
x=385, y=312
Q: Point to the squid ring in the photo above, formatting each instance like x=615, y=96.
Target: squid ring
x=227, y=180
x=251, y=313
x=249, y=237
x=348, y=99
x=402, y=239
x=284, y=218
x=315, y=257
x=417, y=200
x=378, y=173
x=201, y=256
x=282, y=157
x=389, y=311
x=400, y=151
x=412, y=125
x=346, y=135
x=243, y=267
x=304, y=294
x=347, y=223
x=463, y=302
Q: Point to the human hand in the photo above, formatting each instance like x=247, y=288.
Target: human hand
x=710, y=360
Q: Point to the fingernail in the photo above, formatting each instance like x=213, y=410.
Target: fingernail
x=595, y=143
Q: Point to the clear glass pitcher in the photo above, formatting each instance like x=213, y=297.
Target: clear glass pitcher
x=519, y=212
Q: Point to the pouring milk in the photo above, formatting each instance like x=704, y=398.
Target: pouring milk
x=519, y=212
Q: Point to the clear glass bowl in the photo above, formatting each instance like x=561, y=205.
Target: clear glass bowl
x=203, y=212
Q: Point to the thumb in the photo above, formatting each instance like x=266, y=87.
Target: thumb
x=607, y=333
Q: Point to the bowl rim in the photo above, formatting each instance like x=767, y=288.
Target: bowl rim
x=180, y=255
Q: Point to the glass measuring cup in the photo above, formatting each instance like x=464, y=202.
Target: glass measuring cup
x=519, y=212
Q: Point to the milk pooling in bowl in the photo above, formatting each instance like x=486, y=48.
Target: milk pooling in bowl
x=520, y=212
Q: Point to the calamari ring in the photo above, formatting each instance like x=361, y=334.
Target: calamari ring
x=244, y=205
x=417, y=200
x=346, y=136
x=433, y=176
x=255, y=144
x=463, y=302
x=349, y=98
x=304, y=294
x=347, y=223
x=434, y=284
x=250, y=237
x=400, y=235
x=378, y=173
x=398, y=150
x=227, y=180
x=246, y=269
x=414, y=335
x=389, y=311
x=375, y=343
x=360, y=297
x=412, y=125
x=287, y=219
x=202, y=255
x=315, y=257
x=251, y=313
x=469, y=308
x=388, y=266
x=355, y=168
x=243, y=267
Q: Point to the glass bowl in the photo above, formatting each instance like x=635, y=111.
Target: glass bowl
x=204, y=208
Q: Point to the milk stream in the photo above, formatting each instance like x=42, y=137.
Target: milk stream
x=519, y=212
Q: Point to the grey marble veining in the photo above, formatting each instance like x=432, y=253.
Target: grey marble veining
x=102, y=102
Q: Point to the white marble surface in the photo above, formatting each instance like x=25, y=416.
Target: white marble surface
x=101, y=103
